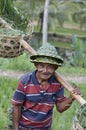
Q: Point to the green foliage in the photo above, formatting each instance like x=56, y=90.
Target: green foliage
x=3, y=119
x=7, y=87
x=79, y=57
x=63, y=120
x=20, y=63
x=11, y=14
x=62, y=17
x=80, y=17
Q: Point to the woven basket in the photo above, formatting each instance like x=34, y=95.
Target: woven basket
x=10, y=46
x=9, y=39
x=76, y=125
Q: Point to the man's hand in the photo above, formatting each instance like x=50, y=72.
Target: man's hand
x=76, y=91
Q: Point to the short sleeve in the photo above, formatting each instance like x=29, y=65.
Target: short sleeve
x=19, y=95
x=60, y=95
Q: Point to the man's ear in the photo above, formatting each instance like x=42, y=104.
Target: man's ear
x=56, y=66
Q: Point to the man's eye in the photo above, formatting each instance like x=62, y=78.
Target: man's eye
x=50, y=66
x=40, y=65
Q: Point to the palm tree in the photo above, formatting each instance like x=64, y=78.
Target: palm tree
x=80, y=17
x=45, y=22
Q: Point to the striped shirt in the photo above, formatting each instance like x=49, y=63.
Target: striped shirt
x=37, y=104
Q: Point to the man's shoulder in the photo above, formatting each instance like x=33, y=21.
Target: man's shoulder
x=24, y=79
x=52, y=79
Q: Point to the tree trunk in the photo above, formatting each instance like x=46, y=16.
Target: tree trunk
x=45, y=22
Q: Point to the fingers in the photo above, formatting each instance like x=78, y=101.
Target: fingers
x=76, y=91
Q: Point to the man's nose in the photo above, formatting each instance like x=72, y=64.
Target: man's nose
x=45, y=69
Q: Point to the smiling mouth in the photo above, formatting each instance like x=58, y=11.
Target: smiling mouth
x=46, y=75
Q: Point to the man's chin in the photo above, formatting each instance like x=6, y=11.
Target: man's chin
x=45, y=77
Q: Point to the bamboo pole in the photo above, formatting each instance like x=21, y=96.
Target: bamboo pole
x=68, y=87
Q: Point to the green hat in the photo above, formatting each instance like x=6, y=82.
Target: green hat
x=47, y=53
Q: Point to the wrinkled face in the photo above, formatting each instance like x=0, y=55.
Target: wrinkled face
x=45, y=70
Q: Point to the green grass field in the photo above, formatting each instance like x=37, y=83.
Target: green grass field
x=7, y=88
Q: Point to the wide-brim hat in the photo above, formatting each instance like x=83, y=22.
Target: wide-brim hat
x=47, y=53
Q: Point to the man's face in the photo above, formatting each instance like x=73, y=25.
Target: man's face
x=45, y=70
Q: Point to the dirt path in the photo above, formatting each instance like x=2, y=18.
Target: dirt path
x=16, y=74
x=10, y=74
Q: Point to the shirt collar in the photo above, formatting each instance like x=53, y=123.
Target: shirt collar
x=34, y=78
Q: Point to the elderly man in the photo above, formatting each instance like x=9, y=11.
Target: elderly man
x=37, y=92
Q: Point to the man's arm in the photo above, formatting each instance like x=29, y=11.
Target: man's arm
x=61, y=107
x=68, y=101
x=16, y=116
